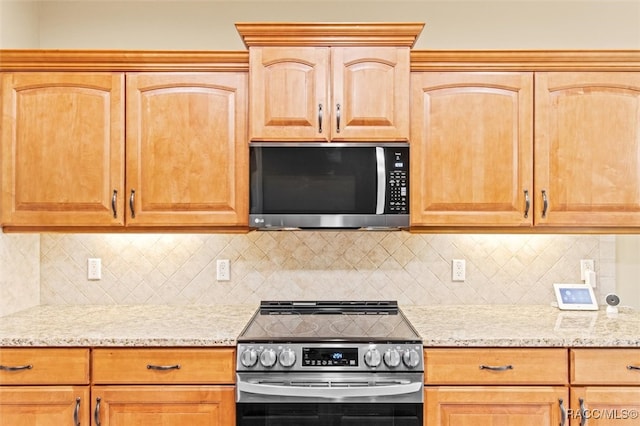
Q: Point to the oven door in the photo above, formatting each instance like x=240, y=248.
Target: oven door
x=343, y=399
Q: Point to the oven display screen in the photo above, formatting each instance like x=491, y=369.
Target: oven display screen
x=330, y=357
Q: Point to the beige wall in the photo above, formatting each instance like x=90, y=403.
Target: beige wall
x=473, y=24
x=628, y=269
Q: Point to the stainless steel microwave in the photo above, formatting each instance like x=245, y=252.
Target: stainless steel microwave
x=329, y=185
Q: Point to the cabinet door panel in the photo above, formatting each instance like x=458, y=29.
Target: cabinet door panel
x=62, y=148
x=588, y=148
x=187, y=158
x=44, y=405
x=490, y=406
x=370, y=84
x=168, y=405
x=289, y=86
x=472, y=149
x=605, y=406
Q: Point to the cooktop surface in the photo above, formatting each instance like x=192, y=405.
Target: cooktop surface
x=329, y=321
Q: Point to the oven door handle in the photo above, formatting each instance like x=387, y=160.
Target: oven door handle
x=329, y=392
x=381, y=170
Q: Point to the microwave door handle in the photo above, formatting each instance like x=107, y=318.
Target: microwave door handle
x=381, y=170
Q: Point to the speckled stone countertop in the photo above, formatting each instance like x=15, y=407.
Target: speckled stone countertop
x=141, y=325
x=195, y=325
x=523, y=326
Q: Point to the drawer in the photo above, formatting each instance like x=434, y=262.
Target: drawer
x=44, y=366
x=605, y=366
x=496, y=366
x=153, y=366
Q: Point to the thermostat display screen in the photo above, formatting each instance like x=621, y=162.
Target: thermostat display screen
x=579, y=296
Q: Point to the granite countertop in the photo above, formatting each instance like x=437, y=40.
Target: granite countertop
x=198, y=325
x=524, y=326
x=139, y=325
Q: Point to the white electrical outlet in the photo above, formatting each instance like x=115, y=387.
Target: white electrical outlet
x=223, y=272
x=586, y=265
x=94, y=269
x=458, y=270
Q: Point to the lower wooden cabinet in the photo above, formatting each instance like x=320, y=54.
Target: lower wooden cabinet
x=44, y=405
x=496, y=386
x=163, y=386
x=44, y=386
x=605, y=405
x=175, y=405
x=495, y=405
x=605, y=387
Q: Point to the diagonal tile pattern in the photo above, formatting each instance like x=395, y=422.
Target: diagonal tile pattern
x=413, y=269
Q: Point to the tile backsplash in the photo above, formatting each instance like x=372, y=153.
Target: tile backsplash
x=410, y=268
x=19, y=272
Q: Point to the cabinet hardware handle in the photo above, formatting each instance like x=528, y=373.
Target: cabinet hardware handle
x=633, y=367
x=163, y=367
x=96, y=413
x=545, y=204
x=76, y=412
x=338, y=118
x=496, y=367
x=583, y=413
x=16, y=368
x=132, y=200
x=527, y=203
x=319, y=118
x=563, y=412
x=114, y=197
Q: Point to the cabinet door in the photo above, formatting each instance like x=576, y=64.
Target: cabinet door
x=187, y=154
x=490, y=406
x=587, y=148
x=164, y=405
x=44, y=405
x=289, y=93
x=605, y=406
x=370, y=96
x=471, y=149
x=62, y=148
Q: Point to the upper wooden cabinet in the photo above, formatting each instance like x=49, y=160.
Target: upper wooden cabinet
x=490, y=151
x=187, y=160
x=472, y=149
x=67, y=145
x=587, y=148
x=62, y=148
x=329, y=82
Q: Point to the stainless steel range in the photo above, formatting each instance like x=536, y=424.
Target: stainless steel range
x=327, y=363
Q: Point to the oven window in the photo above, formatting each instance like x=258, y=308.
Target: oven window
x=313, y=180
x=329, y=414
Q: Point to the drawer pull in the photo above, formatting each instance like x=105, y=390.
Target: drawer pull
x=96, y=412
x=163, y=367
x=583, y=413
x=496, y=367
x=563, y=412
x=76, y=412
x=633, y=367
x=16, y=368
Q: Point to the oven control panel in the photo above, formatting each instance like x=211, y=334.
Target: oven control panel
x=330, y=357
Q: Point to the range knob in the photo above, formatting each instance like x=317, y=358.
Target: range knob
x=392, y=358
x=268, y=358
x=249, y=357
x=372, y=357
x=287, y=357
x=411, y=358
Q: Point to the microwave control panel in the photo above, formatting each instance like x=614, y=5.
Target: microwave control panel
x=398, y=180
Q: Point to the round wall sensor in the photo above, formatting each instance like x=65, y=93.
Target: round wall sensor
x=612, y=299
